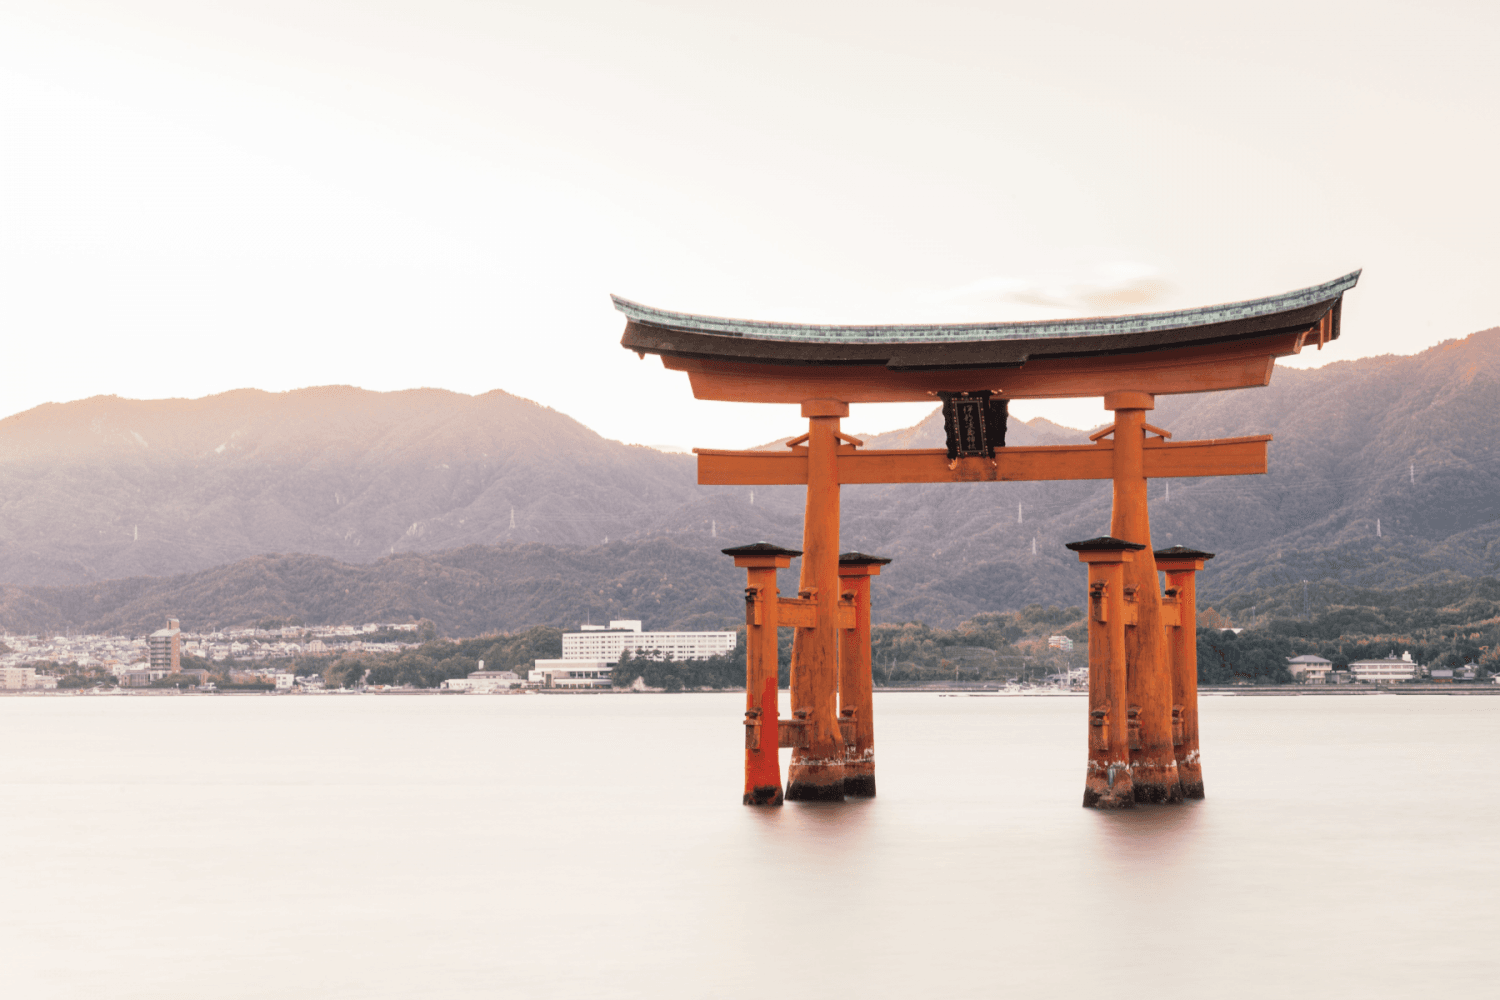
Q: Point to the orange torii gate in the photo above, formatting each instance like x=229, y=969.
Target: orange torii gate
x=1143, y=740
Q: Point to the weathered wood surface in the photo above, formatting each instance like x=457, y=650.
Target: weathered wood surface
x=1240, y=456
x=793, y=733
x=1202, y=368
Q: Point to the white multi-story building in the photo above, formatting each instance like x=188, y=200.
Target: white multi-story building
x=607, y=643
x=1390, y=670
x=18, y=678
x=166, y=647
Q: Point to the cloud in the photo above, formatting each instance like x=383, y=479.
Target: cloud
x=1122, y=286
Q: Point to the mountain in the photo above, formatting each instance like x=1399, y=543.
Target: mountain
x=370, y=482
x=108, y=487
x=468, y=591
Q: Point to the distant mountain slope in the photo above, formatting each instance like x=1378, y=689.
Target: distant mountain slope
x=1405, y=442
x=466, y=591
x=110, y=487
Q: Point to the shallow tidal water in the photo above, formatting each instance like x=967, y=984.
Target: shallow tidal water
x=434, y=847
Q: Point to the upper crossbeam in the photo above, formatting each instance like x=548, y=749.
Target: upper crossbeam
x=1241, y=456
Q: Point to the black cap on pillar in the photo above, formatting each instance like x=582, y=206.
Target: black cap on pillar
x=761, y=549
x=1104, y=543
x=1181, y=552
x=861, y=559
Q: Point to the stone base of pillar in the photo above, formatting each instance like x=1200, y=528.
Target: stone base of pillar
x=815, y=781
x=1190, y=774
x=859, y=778
x=1108, y=788
x=1156, y=782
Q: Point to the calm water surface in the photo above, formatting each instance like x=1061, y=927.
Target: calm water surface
x=371, y=847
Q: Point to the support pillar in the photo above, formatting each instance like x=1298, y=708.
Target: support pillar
x=817, y=770
x=1149, y=681
x=1182, y=566
x=762, y=716
x=856, y=683
x=1107, y=784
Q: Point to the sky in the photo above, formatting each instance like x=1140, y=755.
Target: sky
x=202, y=197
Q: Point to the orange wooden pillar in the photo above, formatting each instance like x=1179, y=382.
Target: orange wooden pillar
x=762, y=717
x=1108, y=783
x=817, y=769
x=1182, y=566
x=1153, y=760
x=856, y=683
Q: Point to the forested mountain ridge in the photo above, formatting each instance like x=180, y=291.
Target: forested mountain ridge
x=1383, y=473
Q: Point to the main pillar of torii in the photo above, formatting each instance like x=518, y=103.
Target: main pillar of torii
x=976, y=369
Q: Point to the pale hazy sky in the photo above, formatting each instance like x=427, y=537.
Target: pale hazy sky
x=199, y=197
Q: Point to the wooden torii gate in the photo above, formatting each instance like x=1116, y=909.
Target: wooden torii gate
x=1142, y=644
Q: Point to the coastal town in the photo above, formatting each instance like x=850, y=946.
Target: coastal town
x=260, y=656
x=283, y=659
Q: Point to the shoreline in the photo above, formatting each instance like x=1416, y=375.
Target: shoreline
x=974, y=690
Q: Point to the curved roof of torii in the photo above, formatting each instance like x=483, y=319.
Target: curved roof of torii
x=1154, y=352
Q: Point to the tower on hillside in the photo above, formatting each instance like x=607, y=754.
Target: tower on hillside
x=166, y=647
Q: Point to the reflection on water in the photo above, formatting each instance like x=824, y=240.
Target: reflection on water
x=595, y=846
x=1147, y=831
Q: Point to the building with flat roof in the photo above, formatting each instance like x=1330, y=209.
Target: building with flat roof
x=484, y=681
x=165, y=646
x=609, y=643
x=572, y=674
x=18, y=678
x=1391, y=670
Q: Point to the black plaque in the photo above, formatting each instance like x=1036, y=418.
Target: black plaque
x=974, y=423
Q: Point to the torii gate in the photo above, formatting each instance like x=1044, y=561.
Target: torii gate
x=1142, y=737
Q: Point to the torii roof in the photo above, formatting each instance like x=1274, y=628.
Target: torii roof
x=909, y=362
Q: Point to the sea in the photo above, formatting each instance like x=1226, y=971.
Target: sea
x=563, y=846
